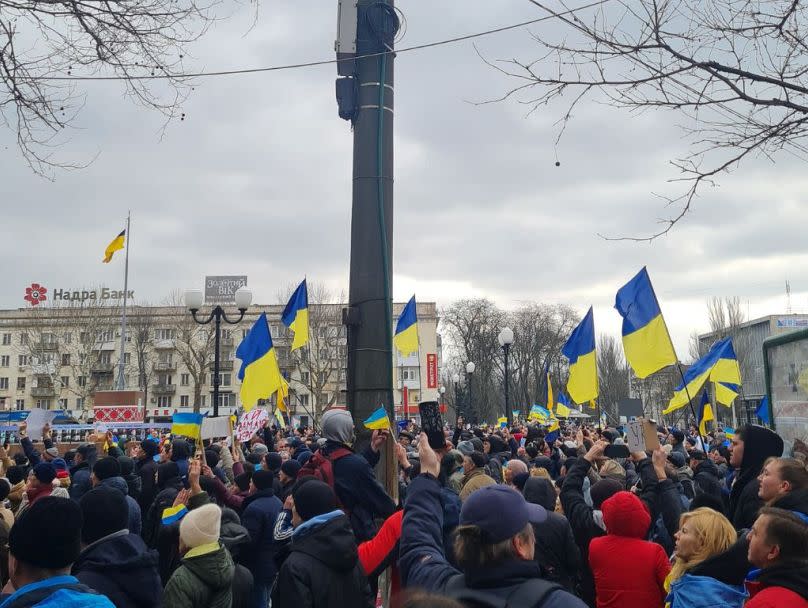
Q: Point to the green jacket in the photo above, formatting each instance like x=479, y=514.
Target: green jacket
x=204, y=580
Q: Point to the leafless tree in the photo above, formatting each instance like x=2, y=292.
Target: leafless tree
x=612, y=375
x=47, y=46
x=140, y=327
x=736, y=71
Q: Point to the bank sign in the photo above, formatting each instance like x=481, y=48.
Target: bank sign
x=36, y=293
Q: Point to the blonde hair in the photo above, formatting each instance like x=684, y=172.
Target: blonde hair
x=540, y=472
x=714, y=532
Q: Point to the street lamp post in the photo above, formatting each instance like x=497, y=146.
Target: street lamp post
x=442, y=397
x=193, y=301
x=470, y=367
x=456, y=380
x=505, y=340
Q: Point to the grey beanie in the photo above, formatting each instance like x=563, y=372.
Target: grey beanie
x=466, y=448
x=338, y=426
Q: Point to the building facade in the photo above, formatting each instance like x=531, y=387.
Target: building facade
x=58, y=357
x=747, y=339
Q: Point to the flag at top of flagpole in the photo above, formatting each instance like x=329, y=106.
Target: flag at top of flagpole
x=115, y=245
x=406, y=336
x=296, y=315
x=646, y=341
x=260, y=374
x=580, y=350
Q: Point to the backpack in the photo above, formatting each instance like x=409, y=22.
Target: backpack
x=322, y=467
x=529, y=594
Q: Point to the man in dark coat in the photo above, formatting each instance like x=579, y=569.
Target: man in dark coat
x=107, y=472
x=705, y=474
x=113, y=561
x=322, y=569
x=146, y=468
x=751, y=446
x=355, y=483
x=259, y=511
x=84, y=460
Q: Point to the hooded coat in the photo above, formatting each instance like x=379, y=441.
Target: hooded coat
x=642, y=584
x=759, y=444
x=794, y=501
x=556, y=552
x=707, y=478
x=323, y=568
x=780, y=586
x=121, y=567
x=260, y=510
x=135, y=522
x=202, y=581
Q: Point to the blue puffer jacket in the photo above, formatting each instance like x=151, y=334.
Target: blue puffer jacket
x=56, y=592
x=693, y=591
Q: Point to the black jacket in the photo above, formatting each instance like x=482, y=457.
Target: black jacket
x=323, y=568
x=121, y=567
x=794, y=501
x=729, y=567
x=790, y=575
x=258, y=515
x=154, y=516
x=664, y=500
x=706, y=479
x=759, y=444
x=423, y=564
x=146, y=469
x=359, y=491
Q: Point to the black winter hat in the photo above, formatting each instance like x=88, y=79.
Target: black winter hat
x=243, y=481
x=15, y=474
x=478, y=459
x=291, y=468
x=211, y=458
x=274, y=461
x=497, y=444
x=127, y=465
x=678, y=435
x=45, y=472
x=603, y=489
x=166, y=472
x=48, y=534
x=5, y=489
x=313, y=498
x=104, y=511
x=150, y=447
x=106, y=468
x=263, y=479
x=478, y=444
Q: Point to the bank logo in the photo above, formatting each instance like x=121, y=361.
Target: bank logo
x=36, y=294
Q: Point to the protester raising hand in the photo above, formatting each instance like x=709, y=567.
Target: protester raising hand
x=596, y=451
x=378, y=438
x=194, y=470
x=430, y=463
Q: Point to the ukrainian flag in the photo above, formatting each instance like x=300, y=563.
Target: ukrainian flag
x=580, y=350
x=186, y=424
x=259, y=374
x=550, y=400
x=539, y=413
x=646, y=340
x=561, y=407
x=406, y=336
x=502, y=422
x=720, y=366
x=554, y=426
x=296, y=315
x=279, y=418
x=705, y=413
x=172, y=514
x=115, y=245
x=378, y=420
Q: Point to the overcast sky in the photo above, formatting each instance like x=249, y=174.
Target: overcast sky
x=256, y=181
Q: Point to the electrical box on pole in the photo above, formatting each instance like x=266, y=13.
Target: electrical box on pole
x=345, y=44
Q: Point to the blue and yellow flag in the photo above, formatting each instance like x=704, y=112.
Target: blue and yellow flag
x=646, y=340
x=172, y=514
x=406, y=336
x=259, y=374
x=115, y=245
x=562, y=407
x=550, y=399
x=539, y=413
x=378, y=420
x=296, y=315
x=729, y=432
x=502, y=422
x=762, y=410
x=279, y=418
x=720, y=366
x=580, y=350
x=186, y=424
x=705, y=413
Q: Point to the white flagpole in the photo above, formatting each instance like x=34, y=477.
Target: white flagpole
x=121, y=378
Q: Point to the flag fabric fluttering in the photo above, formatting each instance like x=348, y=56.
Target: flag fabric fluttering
x=378, y=420
x=502, y=422
x=762, y=410
x=562, y=406
x=580, y=350
x=279, y=418
x=115, y=245
x=646, y=341
x=406, y=336
x=539, y=413
x=720, y=366
x=296, y=315
x=705, y=413
x=729, y=432
x=260, y=374
x=173, y=514
x=550, y=398
x=186, y=424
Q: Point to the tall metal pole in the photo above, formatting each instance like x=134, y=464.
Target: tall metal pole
x=369, y=314
x=506, y=349
x=121, y=366
x=217, y=313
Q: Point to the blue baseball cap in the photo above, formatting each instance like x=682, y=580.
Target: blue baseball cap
x=500, y=512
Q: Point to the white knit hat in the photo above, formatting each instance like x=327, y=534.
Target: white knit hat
x=201, y=526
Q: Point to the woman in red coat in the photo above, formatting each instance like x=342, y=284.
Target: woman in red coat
x=629, y=571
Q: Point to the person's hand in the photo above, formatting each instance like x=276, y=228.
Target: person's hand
x=401, y=456
x=22, y=429
x=378, y=438
x=46, y=431
x=659, y=458
x=638, y=456
x=182, y=497
x=287, y=504
x=579, y=438
x=207, y=471
x=236, y=454
x=194, y=470
x=596, y=451
x=430, y=462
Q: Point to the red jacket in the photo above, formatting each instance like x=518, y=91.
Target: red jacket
x=779, y=586
x=380, y=550
x=629, y=571
x=776, y=597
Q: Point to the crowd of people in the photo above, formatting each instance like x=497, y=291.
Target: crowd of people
x=498, y=516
